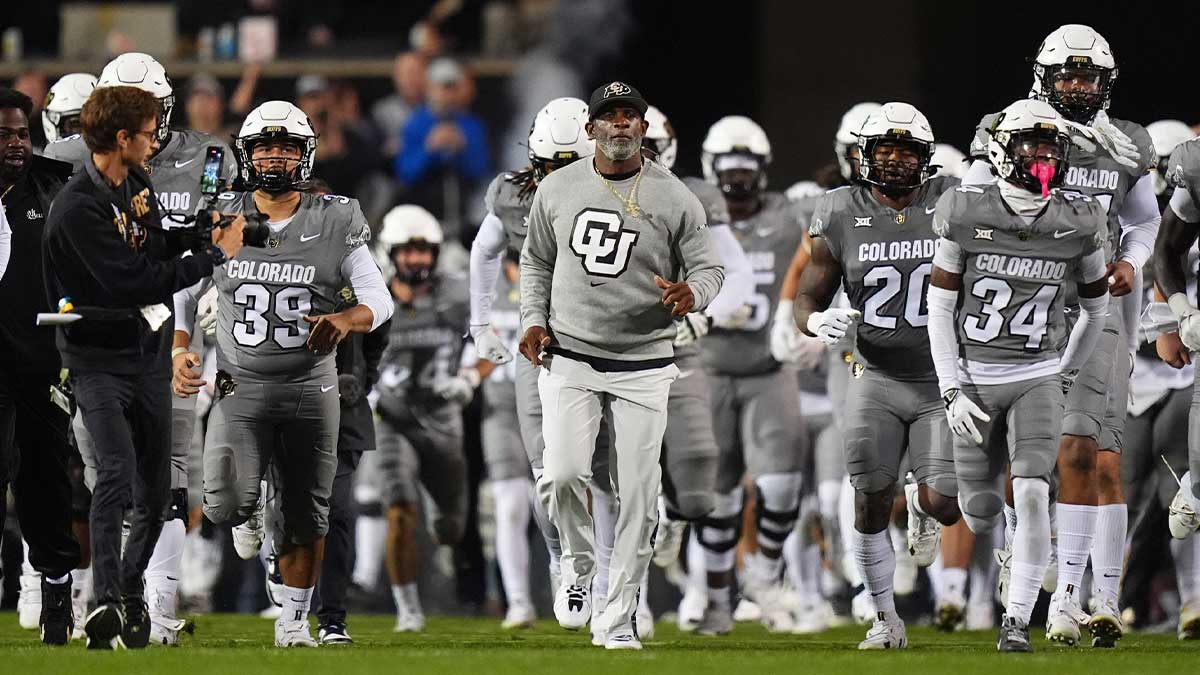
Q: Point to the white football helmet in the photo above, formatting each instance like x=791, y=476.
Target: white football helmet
x=949, y=161
x=270, y=121
x=1072, y=51
x=895, y=123
x=557, y=136
x=741, y=143
x=1017, y=133
x=135, y=69
x=1165, y=135
x=846, y=138
x=803, y=190
x=404, y=225
x=660, y=137
x=63, y=103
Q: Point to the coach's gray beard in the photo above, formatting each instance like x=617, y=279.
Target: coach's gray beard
x=619, y=149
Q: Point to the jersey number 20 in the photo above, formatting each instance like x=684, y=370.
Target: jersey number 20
x=892, y=282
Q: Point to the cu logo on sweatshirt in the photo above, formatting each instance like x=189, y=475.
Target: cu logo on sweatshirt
x=602, y=244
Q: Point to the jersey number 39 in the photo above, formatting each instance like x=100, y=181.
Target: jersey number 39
x=289, y=305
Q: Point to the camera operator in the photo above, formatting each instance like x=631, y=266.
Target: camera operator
x=104, y=250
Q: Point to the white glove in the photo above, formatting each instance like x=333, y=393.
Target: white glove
x=489, y=346
x=831, y=325
x=206, y=312
x=1189, y=320
x=959, y=411
x=692, y=327
x=459, y=389
x=736, y=319
x=788, y=344
x=1107, y=137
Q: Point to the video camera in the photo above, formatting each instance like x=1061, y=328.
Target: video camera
x=200, y=225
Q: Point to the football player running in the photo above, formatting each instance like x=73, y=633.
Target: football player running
x=1075, y=71
x=1006, y=253
x=276, y=381
x=876, y=239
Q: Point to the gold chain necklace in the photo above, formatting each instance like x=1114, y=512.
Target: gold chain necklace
x=631, y=205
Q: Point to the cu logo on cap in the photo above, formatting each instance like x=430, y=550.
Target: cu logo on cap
x=616, y=89
x=602, y=244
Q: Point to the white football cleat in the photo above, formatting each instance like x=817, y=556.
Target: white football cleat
x=815, y=617
x=691, y=608
x=747, y=611
x=293, y=634
x=573, y=606
x=885, y=634
x=623, y=641
x=1105, y=625
x=1189, y=621
x=1004, y=559
x=1182, y=520
x=1065, y=618
x=924, y=532
x=29, y=602
x=248, y=537
x=519, y=616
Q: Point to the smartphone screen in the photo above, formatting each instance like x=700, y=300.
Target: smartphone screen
x=210, y=181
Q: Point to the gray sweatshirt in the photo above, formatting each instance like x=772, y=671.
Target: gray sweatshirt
x=588, y=266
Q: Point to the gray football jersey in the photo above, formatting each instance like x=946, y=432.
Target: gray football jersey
x=886, y=258
x=175, y=171
x=1096, y=175
x=503, y=200
x=1014, y=275
x=506, y=321
x=1183, y=168
x=710, y=198
x=770, y=239
x=425, y=345
x=265, y=292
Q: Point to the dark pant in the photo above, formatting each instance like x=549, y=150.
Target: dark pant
x=33, y=459
x=339, y=543
x=129, y=420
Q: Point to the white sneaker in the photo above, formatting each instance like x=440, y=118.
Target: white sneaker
x=623, y=641
x=409, y=620
x=1182, y=520
x=747, y=611
x=1004, y=559
x=29, y=602
x=669, y=538
x=1106, y=625
x=885, y=634
x=573, y=606
x=862, y=607
x=1065, y=618
x=814, y=617
x=981, y=616
x=924, y=532
x=293, y=634
x=519, y=616
x=248, y=537
x=1189, y=621
x=691, y=608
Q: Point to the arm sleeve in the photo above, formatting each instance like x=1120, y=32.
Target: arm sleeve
x=487, y=257
x=739, y=275
x=1085, y=334
x=980, y=173
x=697, y=255
x=367, y=282
x=186, y=302
x=1139, y=218
x=943, y=339
x=1184, y=207
x=537, y=266
x=949, y=256
x=1091, y=267
x=5, y=241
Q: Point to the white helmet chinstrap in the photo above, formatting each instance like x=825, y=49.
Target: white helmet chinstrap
x=660, y=137
x=1029, y=145
x=736, y=143
x=1074, y=71
x=135, y=69
x=558, y=137
x=64, y=101
x=275, y=121
x=904, y=128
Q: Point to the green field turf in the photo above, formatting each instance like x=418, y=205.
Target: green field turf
x=242, y=645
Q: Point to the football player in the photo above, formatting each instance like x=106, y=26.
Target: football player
x=176, y=171
x=1074, y=71
x=60, y=115
x=876, y=240
x=276, y=382
x=1005, y=254
x=421, y=395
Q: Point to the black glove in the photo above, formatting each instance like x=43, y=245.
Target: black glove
x=350, y=390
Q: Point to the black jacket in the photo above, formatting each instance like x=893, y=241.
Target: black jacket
x=26, y=348
x=358, y=356
x=103, y=248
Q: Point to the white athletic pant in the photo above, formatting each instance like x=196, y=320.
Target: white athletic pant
x=575, y=399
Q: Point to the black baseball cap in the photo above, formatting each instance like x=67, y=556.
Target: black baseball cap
x=615, y=93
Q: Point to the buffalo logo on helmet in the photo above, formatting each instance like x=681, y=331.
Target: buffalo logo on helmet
x=617, y=89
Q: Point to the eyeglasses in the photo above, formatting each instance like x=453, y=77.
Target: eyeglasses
x=151, y=135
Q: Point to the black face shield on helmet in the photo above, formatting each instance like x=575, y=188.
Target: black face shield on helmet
x=740, y=175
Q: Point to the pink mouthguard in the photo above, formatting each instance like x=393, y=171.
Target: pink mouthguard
x=1044, y=172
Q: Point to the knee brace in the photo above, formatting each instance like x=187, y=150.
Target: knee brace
x=777, y=508
x=718, y=532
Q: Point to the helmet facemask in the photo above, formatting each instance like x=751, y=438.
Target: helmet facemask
x=1038, y=159
x=740, y=176
x=1077, y=90
x=274, y=174
x=895, y=164
x=408, y=271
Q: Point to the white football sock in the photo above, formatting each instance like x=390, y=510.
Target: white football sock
x=1108, y=548
x=165, y=569
x=1076, y=528
x=696, y=567
x=1186, y=553
x=876, y=560
x=295, y=603
x=953, y=584
x=1031, y=545
x=984, y=569
x=512, y=544
x=370, y=537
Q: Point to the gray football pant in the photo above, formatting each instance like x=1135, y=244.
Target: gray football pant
x=424, y=446
x=1026, y=423
x=689, y=455
x=292, y=428
x=576, y=401
x=1095, y=405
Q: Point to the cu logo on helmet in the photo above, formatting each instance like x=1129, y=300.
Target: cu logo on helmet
x=602, y=244
x=616, y=89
